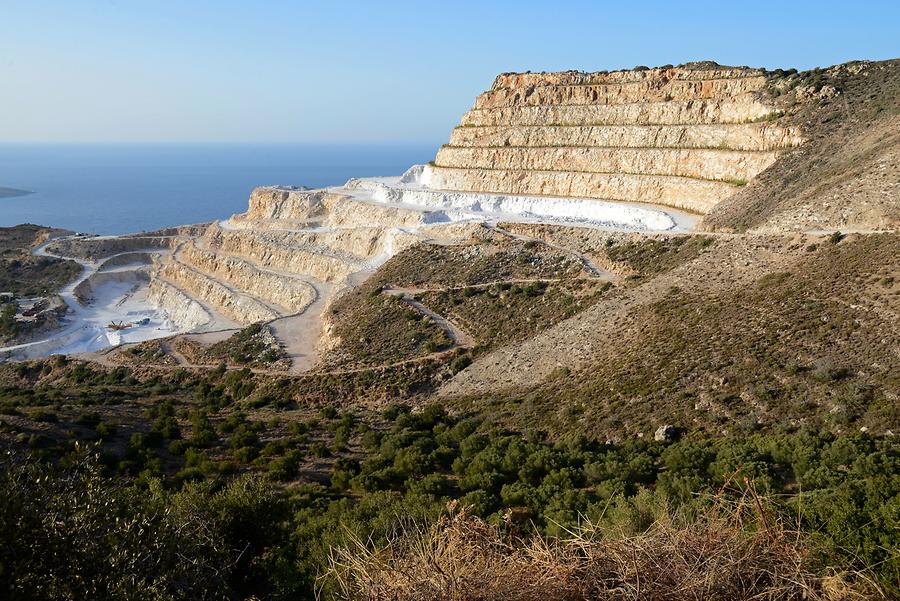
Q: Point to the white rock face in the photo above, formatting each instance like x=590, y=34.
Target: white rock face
x=735, y=136
x=699, y=163
x=241, y=308
x=294, y=248
x=289, y=293
x=412, y=189
x=690, y=194
x=183, y=311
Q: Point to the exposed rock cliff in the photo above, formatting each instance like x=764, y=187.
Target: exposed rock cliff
x=289, y=293
x=233, y=304
x=181, y=308
x=686, y=137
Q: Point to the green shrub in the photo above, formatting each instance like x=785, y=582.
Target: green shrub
x=319, y=450
x=285, y=468
x=460, y=363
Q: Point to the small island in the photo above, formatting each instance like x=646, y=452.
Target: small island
x=13, y=192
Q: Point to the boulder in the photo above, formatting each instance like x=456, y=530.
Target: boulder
x=665, y=433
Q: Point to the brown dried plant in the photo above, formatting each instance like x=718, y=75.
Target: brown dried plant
x=738, y=549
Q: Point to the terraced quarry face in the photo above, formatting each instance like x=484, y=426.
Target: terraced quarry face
x=542, y=146
x=682, y=137
x=643, y=151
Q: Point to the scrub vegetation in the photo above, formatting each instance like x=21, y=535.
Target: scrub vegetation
x=274, y=501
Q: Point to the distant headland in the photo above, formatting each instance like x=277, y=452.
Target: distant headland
x=11, y=192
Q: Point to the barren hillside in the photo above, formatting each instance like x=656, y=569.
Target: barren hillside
x=752, y=332
x=846, y=175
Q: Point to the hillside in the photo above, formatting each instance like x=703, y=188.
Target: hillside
x=30, y=282
x=750, y=333
x=609, y=344
x=27, y=275
x=845, y=175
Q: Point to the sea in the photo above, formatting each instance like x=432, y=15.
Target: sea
x=118, y=188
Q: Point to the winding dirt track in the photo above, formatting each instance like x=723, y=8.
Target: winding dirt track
x=460, y=337
x=586, y=262
x=299, y=333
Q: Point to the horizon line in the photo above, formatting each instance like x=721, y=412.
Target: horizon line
x=211, y=143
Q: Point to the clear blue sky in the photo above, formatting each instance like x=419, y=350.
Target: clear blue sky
x=375, y=71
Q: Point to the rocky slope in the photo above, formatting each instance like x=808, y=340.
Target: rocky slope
x=750, y=327
x=847, y=174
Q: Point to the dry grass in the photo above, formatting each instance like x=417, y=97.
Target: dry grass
x=738, y=550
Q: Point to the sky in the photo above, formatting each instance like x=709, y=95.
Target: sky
x=258, y=71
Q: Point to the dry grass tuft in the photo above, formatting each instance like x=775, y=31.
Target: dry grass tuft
x=737, y=551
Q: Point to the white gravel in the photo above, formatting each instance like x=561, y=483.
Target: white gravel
x=411, y=190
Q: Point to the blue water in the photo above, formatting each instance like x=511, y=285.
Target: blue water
x=116, y=189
